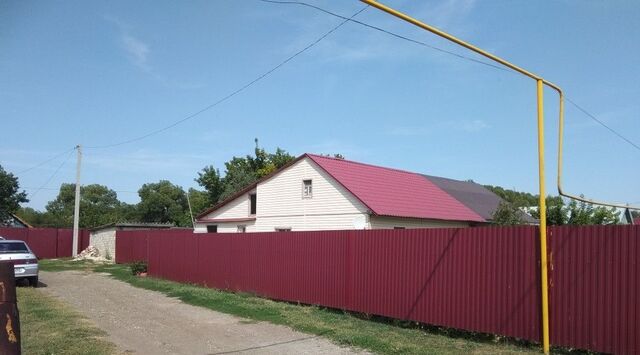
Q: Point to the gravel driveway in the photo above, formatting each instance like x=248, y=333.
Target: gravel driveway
x=148, y=322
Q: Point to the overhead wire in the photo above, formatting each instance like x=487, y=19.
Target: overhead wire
x=602, y=123
x=460, y=56
x=55, y=188
x=44, y=162
x=31, y=195
x=233, y=93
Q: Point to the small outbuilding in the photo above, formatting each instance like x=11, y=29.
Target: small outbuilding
x=104, y=237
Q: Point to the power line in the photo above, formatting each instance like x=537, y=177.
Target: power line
x=51, y=177
x=56, y=189
x=415, y=41
x=460, y=56
x=602, y=123
x=233, y=93
x=44, y=162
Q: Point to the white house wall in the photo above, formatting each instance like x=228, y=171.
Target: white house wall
x=378, y=222
x=280, y=204
x=238, y=208
x=331, y=207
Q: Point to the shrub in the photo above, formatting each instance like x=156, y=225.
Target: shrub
x=138, y=267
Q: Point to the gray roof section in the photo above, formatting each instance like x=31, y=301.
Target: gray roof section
x=475, y=196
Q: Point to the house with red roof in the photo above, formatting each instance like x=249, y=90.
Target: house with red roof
x=315, y=192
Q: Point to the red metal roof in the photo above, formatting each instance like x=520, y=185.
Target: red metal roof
x=397, y=193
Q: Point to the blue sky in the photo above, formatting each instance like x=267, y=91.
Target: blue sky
x=101, y=72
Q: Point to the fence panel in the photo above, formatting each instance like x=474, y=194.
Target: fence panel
x=595, y=288
x=15, y=233
x=65, y=242
x=478, y=279
x=43, y=242
x=131, y=246
x=47, y=243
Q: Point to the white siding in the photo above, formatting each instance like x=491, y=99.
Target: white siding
x=200, y=228
x=238, y=208
x=233, y=227
x=331, y=207
x=378, y=222
x=226, y=227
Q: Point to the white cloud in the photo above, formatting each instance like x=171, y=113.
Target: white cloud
x=405, y=131
x=138, y=51
x=471, y=126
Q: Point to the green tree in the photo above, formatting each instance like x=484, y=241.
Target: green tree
x=209, y=178
x=128, y=213
x=241, y=172
x=583, y=213
x=556, y=211
x=199, y=201
x=163, y=202
x=238, y=174
x=10, y=195
x=99, y=205
x=33, y=217
x=507, y=215
x=556, y=214
x=516, y=198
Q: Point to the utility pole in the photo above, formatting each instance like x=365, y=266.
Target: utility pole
x=193, y=224
x=76, y=210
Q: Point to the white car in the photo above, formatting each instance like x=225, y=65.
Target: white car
x=25, y=262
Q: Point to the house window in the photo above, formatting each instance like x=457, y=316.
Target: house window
x=252, y=203
x=212, y=229
x=242, y=229
x=283, y=229
x=307, y=189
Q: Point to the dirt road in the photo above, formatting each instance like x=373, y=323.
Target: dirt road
x=147, y=322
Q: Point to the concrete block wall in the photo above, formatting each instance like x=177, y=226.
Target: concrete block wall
x=105, y=242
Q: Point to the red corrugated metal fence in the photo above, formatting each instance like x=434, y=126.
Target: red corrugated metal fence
x=595, y=288
x=47, y=243
x=477, y=279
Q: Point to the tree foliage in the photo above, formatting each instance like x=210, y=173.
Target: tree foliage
x=10, y=195
x=241, y=172
x=199, y=200
x=99, y=205
x=507, y=214
x=163, y=202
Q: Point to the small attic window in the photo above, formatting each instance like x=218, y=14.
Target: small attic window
x=307, y=189
x=253, y=199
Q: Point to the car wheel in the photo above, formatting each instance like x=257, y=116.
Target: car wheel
x=33, y=281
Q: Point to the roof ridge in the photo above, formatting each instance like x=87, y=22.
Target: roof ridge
x=361, y=163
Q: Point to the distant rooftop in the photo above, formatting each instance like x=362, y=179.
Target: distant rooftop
x=134, y=225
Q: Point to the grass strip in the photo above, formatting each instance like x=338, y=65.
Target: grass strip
x=341, y=327
x=50, y=327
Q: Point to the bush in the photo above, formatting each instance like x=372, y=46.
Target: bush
x=138, y=267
